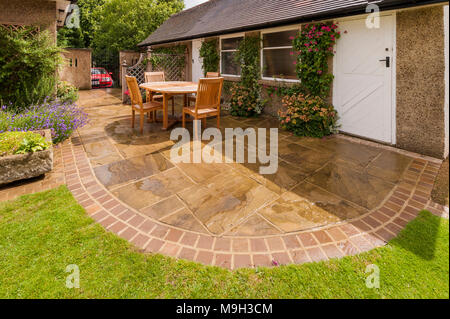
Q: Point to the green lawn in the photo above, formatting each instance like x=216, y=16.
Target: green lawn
x=43, y=233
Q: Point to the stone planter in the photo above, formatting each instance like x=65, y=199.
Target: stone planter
x=23, y=166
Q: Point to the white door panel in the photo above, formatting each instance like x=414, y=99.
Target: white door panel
x=363, y=84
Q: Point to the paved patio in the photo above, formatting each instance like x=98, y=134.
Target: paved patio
x=330, y=197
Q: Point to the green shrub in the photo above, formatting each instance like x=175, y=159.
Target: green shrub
x=307, y=115
x=210, y=55
x=28, y=67
x=246, y=99
x=21, y=143
x=66, y=92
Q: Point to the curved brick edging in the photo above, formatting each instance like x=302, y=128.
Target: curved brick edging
x=332, y=241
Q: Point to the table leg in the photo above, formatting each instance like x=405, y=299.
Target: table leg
x=165, y=112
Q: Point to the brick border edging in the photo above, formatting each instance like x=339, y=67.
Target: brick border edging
x=367, y=232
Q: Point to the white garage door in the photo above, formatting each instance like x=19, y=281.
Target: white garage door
x=363, y=84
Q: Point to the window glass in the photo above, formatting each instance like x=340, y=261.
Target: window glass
x=229, y=66
x=278, y=55
x=231, y=43
x=279, y=39
x=228, y=48
x=279, y=63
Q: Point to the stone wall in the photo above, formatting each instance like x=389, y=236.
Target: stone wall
x=420, y=81
x=77, y=68
x=41, y=13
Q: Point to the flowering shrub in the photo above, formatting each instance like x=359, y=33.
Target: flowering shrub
x=245, y=101
x=61, y=118
x=307, y=115
x=66, y=92
x=315, y=45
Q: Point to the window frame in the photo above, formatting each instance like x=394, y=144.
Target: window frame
x=228, y=36
x=297, y=27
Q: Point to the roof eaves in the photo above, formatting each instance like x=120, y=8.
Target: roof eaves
x=342, y=12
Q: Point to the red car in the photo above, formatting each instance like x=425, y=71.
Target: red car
x=101, y=78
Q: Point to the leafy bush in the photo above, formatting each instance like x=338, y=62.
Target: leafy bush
x=307, y=115
x=28, y=65
x=210, y=55
x=315, y=45
x=61, y=118
x=246, y=99
x=66, y=92
x=21, y=143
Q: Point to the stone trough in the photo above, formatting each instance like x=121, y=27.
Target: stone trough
x=24, y=166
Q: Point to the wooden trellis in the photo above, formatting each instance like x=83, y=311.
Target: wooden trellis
x=32, y=30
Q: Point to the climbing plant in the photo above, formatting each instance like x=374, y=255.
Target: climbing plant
x=315, y=45
x=210, y=55
x=246, y=97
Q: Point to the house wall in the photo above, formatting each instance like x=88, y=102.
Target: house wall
x=420, y=81
x=79, y=73
x=446, y=105
x=30, y=12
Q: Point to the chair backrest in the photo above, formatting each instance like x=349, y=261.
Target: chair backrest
x=212, y=74
x=209, y=93
x=133, y=87
x=154, y=77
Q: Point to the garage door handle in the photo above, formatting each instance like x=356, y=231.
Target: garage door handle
x=388, y=61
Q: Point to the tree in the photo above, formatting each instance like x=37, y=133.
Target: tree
x=70, y=38
x=91, y=12
x=125, y=23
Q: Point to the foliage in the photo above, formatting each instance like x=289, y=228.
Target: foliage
x=283, y=89
x=125, y=23
x=244, y=101
x=61, y=118
x=307, y=115
x=28, y=65
x=210, y=55
x=66, y=92
x=91, y=13
x=21, y=143
x=70, y=38
x=246, y=97
x=53, y=225
x=315, y=45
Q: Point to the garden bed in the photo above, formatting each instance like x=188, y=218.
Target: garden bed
x=23, y=166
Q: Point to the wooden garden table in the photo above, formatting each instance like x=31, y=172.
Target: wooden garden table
x=168, y=89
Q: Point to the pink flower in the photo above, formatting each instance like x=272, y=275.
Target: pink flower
x=291, y=38
x=319, y=72
x=294, y=63
x=291, y=53
x=127, y=92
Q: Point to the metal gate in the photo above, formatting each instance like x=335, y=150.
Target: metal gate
x=109, y=60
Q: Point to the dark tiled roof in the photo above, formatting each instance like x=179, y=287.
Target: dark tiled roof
x=226, y=16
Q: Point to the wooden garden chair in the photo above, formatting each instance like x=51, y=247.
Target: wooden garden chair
x=158, y=77
x=207, y=103
x=191, y=98
x=137, y=103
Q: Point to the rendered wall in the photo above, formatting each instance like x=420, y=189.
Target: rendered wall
x=79, y=73
x=30, y=12
x=420, y=81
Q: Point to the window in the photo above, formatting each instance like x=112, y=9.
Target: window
x=278, y=57
x=228, y=47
